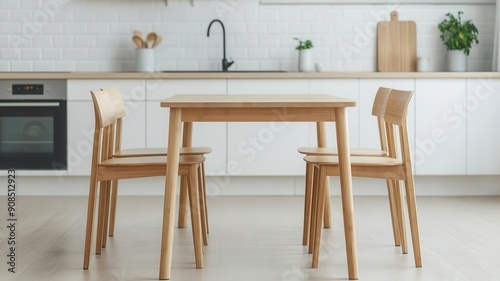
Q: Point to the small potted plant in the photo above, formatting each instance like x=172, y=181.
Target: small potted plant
x=458, y=37
x=305, y=55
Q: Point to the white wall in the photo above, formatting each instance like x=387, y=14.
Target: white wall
x=95, y=35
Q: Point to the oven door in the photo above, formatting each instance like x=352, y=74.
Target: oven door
x=33, y=135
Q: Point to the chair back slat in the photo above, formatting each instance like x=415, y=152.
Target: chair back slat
x=117, y=101
x=397, y=107
x=104, y=111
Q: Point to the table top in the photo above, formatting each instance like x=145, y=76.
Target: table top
x=250, y=101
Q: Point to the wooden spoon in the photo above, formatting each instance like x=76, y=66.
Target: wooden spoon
x=157, y=41
x=137, y=33
x=150, y=39
x=138, y=41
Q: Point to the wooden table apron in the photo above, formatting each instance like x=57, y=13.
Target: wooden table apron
x=199, y=110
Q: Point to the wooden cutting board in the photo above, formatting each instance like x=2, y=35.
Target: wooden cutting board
x=396, y=45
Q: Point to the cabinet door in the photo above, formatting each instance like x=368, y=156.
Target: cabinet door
x=440, y=127
x=131, y=89
x=267, y=148
x=81, y=123
x=211, y=134
x=346, y=88
x=483, y=137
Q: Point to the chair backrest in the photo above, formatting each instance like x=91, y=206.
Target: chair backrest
x=396, y=111
x=396, y=114
x=105, y=117
x=103, y=109
x=117, y=101
x=380, y=102
x=378, y=110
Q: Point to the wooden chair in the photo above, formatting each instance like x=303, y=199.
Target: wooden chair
x=105, y=169
x=372, y=167
x=378, y=111
x=119, y=105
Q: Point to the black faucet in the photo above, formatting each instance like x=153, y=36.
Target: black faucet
x=225, y=64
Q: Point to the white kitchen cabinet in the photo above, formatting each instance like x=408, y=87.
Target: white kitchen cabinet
x=266, y=148
x=211, y=134
x=483, y=136
x=346, y=88
x=81, y=119
x=440, y=127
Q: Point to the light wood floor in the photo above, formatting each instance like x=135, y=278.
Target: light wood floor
x=255, y=238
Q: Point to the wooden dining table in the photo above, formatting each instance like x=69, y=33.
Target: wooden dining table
x=256, y=108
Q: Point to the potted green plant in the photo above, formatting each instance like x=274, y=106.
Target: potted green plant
x=458, y=37
x=305, y=55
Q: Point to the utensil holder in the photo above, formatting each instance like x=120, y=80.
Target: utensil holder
x=145, y=60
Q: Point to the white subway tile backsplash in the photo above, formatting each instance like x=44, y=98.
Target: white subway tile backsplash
x=10, y=54
x=74, y=28
x=37, y=35
x=10, y=4
x=51, y=29
x=97, y=28
x=4, y=66
x=43, y=66
x=255, y=27
x=300, y=28
x=65, y=66
x=62, y=41
x=30, y=54
x=311, y=16
x=21, y=66
x=277, y=28
x=268, y=16
x=258, y=53
x=75, y=54
x=246, y=40
x=289, y=16
x=52, y=54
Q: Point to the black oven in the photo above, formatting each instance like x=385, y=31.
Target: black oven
x=33, y=130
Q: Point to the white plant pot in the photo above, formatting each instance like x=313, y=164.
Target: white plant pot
x=305, y=61
x=145, y=60
x=457, y=60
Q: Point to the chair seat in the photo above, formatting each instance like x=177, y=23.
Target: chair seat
x=137, y=152
x=333, y=151
x=355, y=161
x=151, y=161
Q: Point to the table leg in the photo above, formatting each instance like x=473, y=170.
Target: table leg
x=346, y=190
x=187, y=137
x=174, y=139
x=321, y=137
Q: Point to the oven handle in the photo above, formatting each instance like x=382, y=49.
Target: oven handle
x=32, y=104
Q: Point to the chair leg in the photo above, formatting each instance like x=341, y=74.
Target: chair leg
x=112, y=211
x=107, y=199
x=399, y=200
x=205, y=194
x=327, y=214
x=314, y=211
x=322, y=186
x=412, y=214
x=183, y=203
x=202, y=207
x=90, y=221
x=100, y=217
x=307, y=203
x=394, y=212
x=195, y=215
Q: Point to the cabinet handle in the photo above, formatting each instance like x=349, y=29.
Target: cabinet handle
x=32, y=104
